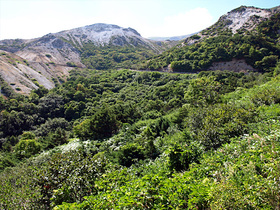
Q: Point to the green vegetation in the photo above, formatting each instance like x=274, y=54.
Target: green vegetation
x=71, y=64
x=145, y=140
x=113, y=57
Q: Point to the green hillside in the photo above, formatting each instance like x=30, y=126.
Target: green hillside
x=127, y=139
x=260, y=49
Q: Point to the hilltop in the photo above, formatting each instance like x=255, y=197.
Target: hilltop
x=240, y=20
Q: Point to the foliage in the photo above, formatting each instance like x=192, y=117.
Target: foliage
x=215, y=125
x=71, y=64
x=68, y=177
x=129, y=154
x=17, y=190
x=27, y=148
x=203, y=91
x=180, y=157
x=113, y=57
x=242, y=171
x=101, y=125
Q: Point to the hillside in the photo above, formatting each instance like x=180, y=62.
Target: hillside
x=24, y=76
x=103, y=138
x=94, y=46
x=240, y=20
x=247, y=35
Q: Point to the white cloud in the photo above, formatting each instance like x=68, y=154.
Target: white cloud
x=183, y=23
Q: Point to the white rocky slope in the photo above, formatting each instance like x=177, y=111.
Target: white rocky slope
x=64, y=46
x=20, y=74
x=102, y=34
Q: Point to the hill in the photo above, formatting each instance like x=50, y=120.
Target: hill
x=244, y=39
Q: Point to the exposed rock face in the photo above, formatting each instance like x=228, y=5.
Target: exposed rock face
x=244, y=18
x=236, y=65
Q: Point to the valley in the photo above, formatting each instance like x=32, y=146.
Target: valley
x=98, y=117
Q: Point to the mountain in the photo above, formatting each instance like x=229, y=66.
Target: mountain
x=54, y=54
x=244, y=39
x=65, y=46
x=172, y=38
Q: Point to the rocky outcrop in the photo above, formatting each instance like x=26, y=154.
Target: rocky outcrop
x=246, y=18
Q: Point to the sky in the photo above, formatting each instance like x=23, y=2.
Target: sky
x=28, y=19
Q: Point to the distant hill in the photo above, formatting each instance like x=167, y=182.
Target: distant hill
x=171, y=38
x=54, y=54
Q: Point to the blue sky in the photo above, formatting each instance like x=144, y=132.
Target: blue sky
x=34, y=18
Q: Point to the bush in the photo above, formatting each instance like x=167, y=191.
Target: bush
x=180, y=157
x=71, y=64
x=130, y=154
x=70, y=176
x=27, y=148
x=214, y=125
x=196, y=36
x=102, y=124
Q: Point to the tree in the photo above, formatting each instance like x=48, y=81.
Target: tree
x=27, y=148
x=182, y=66
x=130, y=154
x=203, y=91
x=267, y=62
x=277, y=69
x=51, y=106
x=27, y=135
x=56, y=138
x=102, y=124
